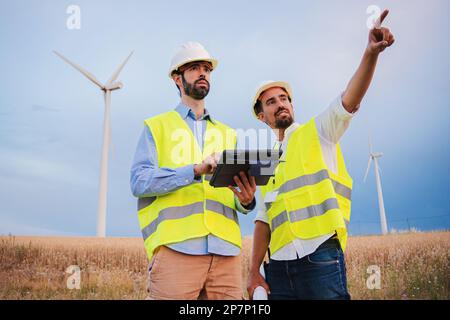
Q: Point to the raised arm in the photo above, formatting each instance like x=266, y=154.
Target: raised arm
x=379, y=39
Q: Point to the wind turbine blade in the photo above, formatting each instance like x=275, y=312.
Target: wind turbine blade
x=116, y=74
x=84, y=72
x=370, y=144
x=368, y=167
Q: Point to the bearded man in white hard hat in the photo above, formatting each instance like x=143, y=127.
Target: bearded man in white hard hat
x=306, y=205
x=191, y=230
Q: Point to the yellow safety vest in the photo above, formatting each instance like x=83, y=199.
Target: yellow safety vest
x=305, y=199
x=197, y=209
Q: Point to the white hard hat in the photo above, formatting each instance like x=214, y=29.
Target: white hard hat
x=190, y=52
x=267, y=85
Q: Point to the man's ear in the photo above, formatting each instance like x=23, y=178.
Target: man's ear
x=176, y=78
x=261, y=117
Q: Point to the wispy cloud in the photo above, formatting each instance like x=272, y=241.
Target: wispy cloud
x=28, y=166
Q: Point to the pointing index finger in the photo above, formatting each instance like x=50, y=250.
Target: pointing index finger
x=381, y=18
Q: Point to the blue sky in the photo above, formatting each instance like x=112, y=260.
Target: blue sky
x=51, y=117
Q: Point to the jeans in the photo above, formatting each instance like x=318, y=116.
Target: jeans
x=320, y=275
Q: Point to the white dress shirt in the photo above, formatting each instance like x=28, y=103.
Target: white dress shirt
x=331, y=125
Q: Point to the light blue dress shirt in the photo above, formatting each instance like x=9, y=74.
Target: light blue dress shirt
x=148, y=179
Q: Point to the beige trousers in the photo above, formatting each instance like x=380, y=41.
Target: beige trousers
x=178, y=276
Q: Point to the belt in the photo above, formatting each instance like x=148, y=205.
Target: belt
x=331, y=243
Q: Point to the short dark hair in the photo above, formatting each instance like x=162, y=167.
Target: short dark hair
x=258, y=104
x=258, y=107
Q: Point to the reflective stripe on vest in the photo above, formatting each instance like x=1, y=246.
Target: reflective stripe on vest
x=308, y=180
x=311, y=179
x=172, y=213
x=184, y=211
x=305, y=213
x=219, y=208
x=145, y=202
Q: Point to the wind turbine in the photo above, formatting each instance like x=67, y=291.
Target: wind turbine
x=374, y=156
x=109, y=86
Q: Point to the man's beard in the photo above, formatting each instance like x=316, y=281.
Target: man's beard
x=197, y=93
x=283, y=123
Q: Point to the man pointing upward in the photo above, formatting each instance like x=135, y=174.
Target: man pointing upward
x=307, y=204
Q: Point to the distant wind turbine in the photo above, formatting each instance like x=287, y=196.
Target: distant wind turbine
x=374, y=156
x=109, y=86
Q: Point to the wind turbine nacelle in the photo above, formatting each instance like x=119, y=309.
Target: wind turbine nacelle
x=114, y=86
x=377, y=154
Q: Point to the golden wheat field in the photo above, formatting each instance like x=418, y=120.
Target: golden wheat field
x=412, y=266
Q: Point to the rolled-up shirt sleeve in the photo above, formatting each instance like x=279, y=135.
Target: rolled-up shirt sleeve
x=334, y=121
x=261, y=214
x=240, y=207
x=147, y=179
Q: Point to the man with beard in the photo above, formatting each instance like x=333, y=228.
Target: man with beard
x=191, y=230
x=306, y=210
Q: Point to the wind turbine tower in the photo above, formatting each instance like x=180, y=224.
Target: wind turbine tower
x=374, y=156
x=109, y=86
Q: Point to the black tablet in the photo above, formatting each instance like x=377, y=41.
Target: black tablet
x=260, y=164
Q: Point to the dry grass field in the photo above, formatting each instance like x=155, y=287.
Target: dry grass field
x=412, y=266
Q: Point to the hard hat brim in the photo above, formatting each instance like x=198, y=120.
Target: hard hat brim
x=214, y=63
